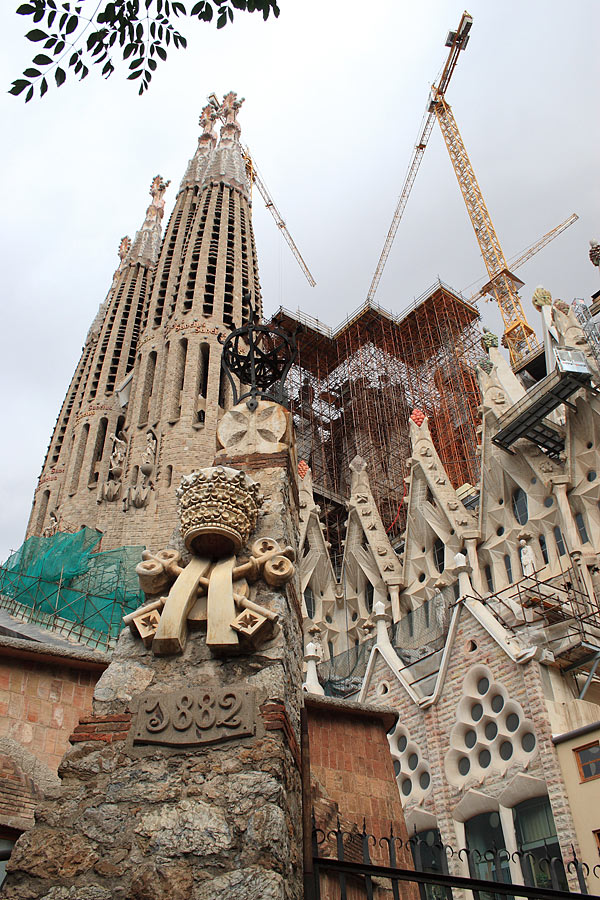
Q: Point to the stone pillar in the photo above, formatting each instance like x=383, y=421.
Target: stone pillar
x=185, y=784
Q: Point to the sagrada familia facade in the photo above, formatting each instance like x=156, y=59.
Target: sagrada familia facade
x=472, y=621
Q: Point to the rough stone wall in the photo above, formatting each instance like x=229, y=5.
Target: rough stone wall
x=146, y=822
x=430, y=729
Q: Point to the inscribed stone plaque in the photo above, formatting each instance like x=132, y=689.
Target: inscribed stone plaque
x=199, y=716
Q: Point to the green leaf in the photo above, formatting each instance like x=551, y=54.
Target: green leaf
x=43, y=87
x=32, y=73
x=36, y=35
x=222, y=20
x=29, y=95
x=19, y=85
x=135, y=74
x=128, y=51
x=136, y=63
x=152, y=64
x=41, y=59
x=51, y=18
x=161, y=52
x=59, y=48
x=25, y=10
x=72, y=24
x=60, y=76
x=73, y=59
x=182, y=41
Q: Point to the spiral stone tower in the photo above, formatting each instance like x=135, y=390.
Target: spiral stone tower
x=144, y=403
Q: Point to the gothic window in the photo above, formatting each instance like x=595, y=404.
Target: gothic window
x=519, y=505
x=544, y=548
x=78, y=461
x=508, y=567
x=309, y=600
x=536, y=835
x=484, y=832
x=488, y=577
x=204, y=358
x=331, y=650
x=560, y=544
x=369, y=594
x=222, y=388
x=169, y=476
x=438, y=555
x=98, y=452
x=579, y=521
x=147, y=389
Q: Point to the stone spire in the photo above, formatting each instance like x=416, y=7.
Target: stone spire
x=146, y=245
x=77, y=464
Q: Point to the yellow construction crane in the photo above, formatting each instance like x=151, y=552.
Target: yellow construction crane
x=519, y=336
x=532, y=250
x=255, y=179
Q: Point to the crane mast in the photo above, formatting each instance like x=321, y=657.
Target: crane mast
x=255, y=179
x=519, y=337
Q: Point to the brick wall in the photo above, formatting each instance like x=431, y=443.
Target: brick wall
x=352, y=771
x=41, y=704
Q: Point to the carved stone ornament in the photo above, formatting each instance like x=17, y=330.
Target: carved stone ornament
x=195, y=717
x=264, y=430
x=218, y=507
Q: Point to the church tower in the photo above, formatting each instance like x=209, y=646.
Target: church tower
x=147, y=395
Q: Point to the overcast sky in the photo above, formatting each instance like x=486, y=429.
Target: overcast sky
x=335, y=92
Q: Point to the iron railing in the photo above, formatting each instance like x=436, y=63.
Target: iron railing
x=343, y=869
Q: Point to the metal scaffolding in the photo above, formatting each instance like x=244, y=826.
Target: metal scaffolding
x=353, y=389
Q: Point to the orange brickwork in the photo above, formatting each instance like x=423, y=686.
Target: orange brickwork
x=352, y=772
x=41, y=704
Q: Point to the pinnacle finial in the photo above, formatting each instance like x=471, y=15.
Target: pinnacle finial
x=156, y=210
x=124, y=247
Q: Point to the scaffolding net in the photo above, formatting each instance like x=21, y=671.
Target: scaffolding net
x=66, y=584
x=352, y=391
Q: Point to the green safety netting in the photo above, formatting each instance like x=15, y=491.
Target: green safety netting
x=62, y=580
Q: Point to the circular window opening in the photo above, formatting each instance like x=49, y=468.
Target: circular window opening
x=470, y=738
x=548, y=502
x=422, y=576
x=413, y=761
x=383, y=688
x=485, y=759
x=354, y=616
x=491, y=730
x=501, y=501
x=464, y=765
x=506, y=750
x=476, y=712
x=452, y=531
x=591, y=475
x=396, y=768
x=471, y=646
x=500, y=531
x=328, y=619
x=497, y=703
x=402, y=742
x=589, y=445
x=425, y=780
x=423, y=549
x=528, y=742
x=534, y=480
x=406, y=787
x=483, y=685
x=512, y=721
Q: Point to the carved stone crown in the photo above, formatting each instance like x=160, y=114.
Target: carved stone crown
x=218, y=507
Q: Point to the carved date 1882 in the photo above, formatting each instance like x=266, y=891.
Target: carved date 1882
x=199, y=716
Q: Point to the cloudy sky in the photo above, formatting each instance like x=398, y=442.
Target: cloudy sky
x=335, y=92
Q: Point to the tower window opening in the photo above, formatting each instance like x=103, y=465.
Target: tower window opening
x=169, y=476
x=560, y=544
x=369, y=595
x=42, y=510
x=78, y=461
x=309, y=600
x=98, y=452
x=544, y=548
x=519, y=505
x=508, y=567
x=487, y=571
x=439, y=553
x=580, y=522
x=147, y=389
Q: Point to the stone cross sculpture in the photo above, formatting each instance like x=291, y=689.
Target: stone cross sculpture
x=218, y=509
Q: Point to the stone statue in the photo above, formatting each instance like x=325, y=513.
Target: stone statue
x=527, y=558
x=52, y=526
x=149, y=454
x=117, y=455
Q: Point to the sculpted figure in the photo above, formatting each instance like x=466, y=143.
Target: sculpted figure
x=527, y=558
x=149, y=454
x=117, y=454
